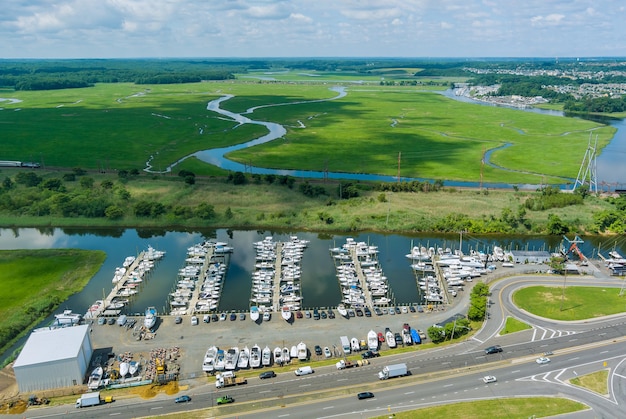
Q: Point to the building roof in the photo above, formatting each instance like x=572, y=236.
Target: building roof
x=530, y=253
x=52, y=345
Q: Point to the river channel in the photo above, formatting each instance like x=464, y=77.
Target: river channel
x=611, y=172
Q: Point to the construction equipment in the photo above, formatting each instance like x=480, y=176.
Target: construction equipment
x=573, y=248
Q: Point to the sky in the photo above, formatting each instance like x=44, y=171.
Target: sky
x=311, y=28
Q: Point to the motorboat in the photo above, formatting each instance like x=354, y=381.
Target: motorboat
x=231, y=358
x=286, y=312
x=244, y=358
x=255, y=357
x=124, y=368
x=390, y=338
x=372, y=340
x=342, y=310
x=254, y=313
x=302, y=351
x=294, y=352
x=95, y=378
x=208, y=365
x=354, y=345
x=286, y=355
x=151, y=318
x=266, y=358
x=220, y=360
x=133, y=367
x=278, y=355
x=67, y=318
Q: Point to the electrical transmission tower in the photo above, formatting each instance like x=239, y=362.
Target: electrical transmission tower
x=587, y=172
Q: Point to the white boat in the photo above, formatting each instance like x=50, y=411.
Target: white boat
x=294, y=352
x=302, y=351
x=219, y=360
x=255, y=356
x=286, y=355
x=342, y=310
x=266, y=358
x=354, y=344
x=286, y=312
x=244, y=358
x=406, y=336
x=95, y=378
x=231, y=358
x=67, y=318
x=254, y=313
x=278, y=355
x=133, y=367
x=124, y=367
x=391, y=340
x=208, y=365
x=151, y=318
x=372, y=340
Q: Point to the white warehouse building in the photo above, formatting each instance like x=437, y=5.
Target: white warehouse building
x=54, y=358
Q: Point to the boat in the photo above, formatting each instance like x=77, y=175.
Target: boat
x=244, y=358
x=342, y=310
x=278, y=355
x=390, y=338
x=286, y=355
x=231, y=358
x=372, y=340
x=406, y=336
x=302, y=351
x=208, y=365
x=67, y=318
x=133, y=367
x=95, y=378
x=286, y=313
x=255, y=356
x=266, y=358
x=124, y=367
x=294, y=352
x=354, y=345
x=151, y=318
x=219, y=360
x=254, y=313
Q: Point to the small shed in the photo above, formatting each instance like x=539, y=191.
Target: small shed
x=54, y=358
x=530, y=256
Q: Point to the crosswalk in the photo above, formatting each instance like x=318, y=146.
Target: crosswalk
x=543, y=333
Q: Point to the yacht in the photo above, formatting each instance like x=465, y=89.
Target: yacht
x=390, y=338
x=342, y=310
x=302, y=351
x=286, y=313
x=254, y=313
x=372, y=340
x=219, y=360
x=151, y=318
x=255, y=356
x=209, y=359
x=266, y=359
x=286, y=355
x=278, y=355
x=231, y=358
x=67, y=318
x=95, y=379
x=244, y=358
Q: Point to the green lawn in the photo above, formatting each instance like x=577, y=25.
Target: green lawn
x=573, y=303
x=35, y=282
x=513, y=325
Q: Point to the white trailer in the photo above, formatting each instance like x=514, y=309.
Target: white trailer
x=345, y=344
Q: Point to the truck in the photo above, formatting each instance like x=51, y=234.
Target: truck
x=345, y=344
x=227, y=379
x=391, y=371
x=344, y=363
x=89, y=399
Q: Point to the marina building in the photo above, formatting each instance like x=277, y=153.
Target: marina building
x=54, y=358
x=530, y=256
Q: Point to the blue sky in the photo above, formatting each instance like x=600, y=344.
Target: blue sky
x=311, y=28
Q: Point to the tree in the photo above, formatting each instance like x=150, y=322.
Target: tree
x=113, y=212
x=239, y=178
x=556, y=226
x=7, y=184
x=86, y=182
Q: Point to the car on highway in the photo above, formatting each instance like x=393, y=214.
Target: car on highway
x=493, y=349
x=225, y=400
x=318, y=350
x=542, y=360
x=267, y=374
x=369, y=354
x=489, y=379
x=182, y=399
x=365, y=395
x=327, y=353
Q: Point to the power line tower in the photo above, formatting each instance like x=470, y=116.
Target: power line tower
x=587, y=172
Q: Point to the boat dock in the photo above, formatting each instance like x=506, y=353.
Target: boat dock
x=277, y=277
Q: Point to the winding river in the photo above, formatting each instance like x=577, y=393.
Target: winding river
x=610, y=170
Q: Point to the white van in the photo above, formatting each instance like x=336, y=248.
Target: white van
x=304, y=371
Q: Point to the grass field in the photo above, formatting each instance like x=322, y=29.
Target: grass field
x=574, y=303
x=513, y=325
x=597, y=381
x=122, y=126
x=35, y=282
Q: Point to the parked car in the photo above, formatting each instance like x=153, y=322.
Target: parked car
x=398, y=311
x=318, y=350
x=102, y=320
x=378, y=311
x=242, y=316
x=182, y=399
x=542, y=360
x=222, y=317
x=331, y=314
x=225, y=399
x=267, y=316
x=398, y=337
x=420, y=309
x=206, y=318
x=351, y=313
x=359, y=312
x=493, y=349
x=365, y=395
x=367, y=311
x=489, y=379
x=214, y=317
x=404, y=309
x=392, y=311
x=178, y=320
x=299, y=314
x=381, y=337
x=323, y=314
x=111, y=320
x=327, y=352
x=307, y=314
x=233, y=317
x=267, y=374
x=412, y=309
x=194, y=321
x=316, y=314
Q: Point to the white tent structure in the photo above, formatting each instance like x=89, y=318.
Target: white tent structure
x=54, y=358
